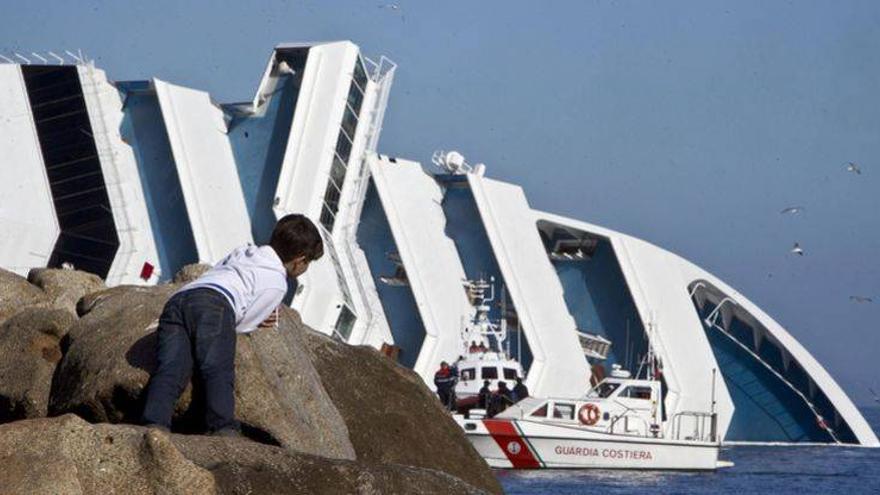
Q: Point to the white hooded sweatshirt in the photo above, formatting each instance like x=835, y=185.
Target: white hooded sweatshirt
x=253, y=280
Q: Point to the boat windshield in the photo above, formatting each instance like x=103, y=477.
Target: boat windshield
x=603, y=390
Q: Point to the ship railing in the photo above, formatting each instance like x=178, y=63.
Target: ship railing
x=625, y=416
x=777, y=374
x=703, y=426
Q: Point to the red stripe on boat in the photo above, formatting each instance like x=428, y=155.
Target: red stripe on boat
x=509, y=440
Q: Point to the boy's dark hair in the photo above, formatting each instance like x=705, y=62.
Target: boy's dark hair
x=295, y=235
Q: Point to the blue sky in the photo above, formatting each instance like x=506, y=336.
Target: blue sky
x=689, y=124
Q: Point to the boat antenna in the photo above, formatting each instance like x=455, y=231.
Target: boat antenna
x=713, y=392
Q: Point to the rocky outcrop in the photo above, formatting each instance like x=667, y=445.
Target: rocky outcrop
x=30, y=347
x=65, y=287
x=67, y=455
x=16, y=294
x=279, y=395
x=391, y=415
x=326, y=417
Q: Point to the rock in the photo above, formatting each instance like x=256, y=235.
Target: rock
x=279, y=395
x=16, y=294
x=190, y=272
x=392, y=417
x=68, y=455
x=30, y=347
x=65, y=287
x=241, y=467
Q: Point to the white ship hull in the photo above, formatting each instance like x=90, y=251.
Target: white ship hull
x=525, y=444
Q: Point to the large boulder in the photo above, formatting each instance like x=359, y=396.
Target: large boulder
x=65, y=287
x=111, y=353
x=16, y=294
x=30, y=349
x=392, y=416
x=67, y=455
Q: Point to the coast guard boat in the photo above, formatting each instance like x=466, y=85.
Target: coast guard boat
x=485, y=353
x=619, y=423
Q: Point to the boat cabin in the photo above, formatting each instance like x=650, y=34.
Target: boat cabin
x=492, y=366
x=615, y=405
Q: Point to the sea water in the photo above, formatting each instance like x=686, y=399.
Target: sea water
x=757, y=469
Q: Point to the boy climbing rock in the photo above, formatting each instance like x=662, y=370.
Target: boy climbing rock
x=198, y=326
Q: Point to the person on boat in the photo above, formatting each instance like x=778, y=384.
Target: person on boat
x=474, y=348
x=484, y=397
x=520, y=391
x=444, y=380
x=482, y=347
x=501, y=399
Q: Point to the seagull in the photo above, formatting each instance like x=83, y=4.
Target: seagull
x=793, y=210
x=860, y=299
x=392, y=6
x=797, y=249
x=852, y=167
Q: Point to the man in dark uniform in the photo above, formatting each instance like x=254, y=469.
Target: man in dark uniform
x=520, y=390
x=444, y=380
x=502, y=398
x=484, y=396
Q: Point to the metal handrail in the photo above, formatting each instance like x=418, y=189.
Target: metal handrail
x=700, y=418
x=770, y=368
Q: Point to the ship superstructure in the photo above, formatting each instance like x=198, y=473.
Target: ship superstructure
x=132, y=180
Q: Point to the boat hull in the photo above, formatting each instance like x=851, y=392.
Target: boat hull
x=523, y=444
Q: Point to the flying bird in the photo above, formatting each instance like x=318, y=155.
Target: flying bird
x=853, y=167
x=797, y=249
x=793, y=210
x=860, y=299
x=392, y=6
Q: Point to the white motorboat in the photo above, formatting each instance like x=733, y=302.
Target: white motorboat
x=619, y=423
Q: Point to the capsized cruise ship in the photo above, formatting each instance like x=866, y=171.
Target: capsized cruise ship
x=131, y=180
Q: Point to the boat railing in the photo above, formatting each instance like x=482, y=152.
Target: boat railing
x=625, y=415
x=704, y=426
x=640, y=421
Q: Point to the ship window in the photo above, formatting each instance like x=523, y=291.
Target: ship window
x=355, y=98
x=343, y=147
x=509, y=374
x=634, y=392
x=562, y=410
x=337, y=172
x=345, y=323
x=360, y=75
x=331, y=197
x=468, y=374
x=540, y=412
x=490, y=373
x=327, y=218
x=349, y=122
x=604, y=390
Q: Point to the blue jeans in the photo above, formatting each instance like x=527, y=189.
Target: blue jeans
x=197, y=327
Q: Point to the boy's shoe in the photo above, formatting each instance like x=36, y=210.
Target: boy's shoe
x=227, y=432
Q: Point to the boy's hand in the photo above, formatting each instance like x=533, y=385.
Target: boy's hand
x=271, y=320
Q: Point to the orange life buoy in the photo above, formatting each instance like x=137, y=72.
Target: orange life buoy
x=589, y=414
